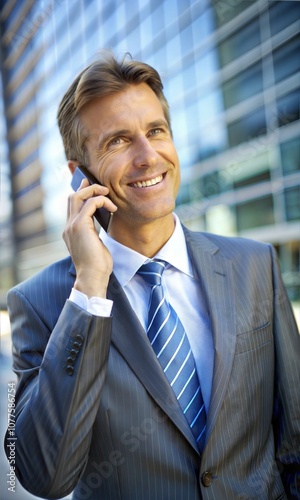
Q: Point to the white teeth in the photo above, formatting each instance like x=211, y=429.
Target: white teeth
x=143, y=184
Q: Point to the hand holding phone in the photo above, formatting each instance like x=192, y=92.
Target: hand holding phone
x=103, y=216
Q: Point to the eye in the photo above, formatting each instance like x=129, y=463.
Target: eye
x=115, y=141
x=156, y=131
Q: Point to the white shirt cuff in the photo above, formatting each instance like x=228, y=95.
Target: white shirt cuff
x=95, y=305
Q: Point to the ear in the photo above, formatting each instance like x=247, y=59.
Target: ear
x=72, y=164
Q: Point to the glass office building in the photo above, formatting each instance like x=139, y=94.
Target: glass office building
x=231, y=73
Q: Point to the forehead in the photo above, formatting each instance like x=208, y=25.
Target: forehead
x=136, y=104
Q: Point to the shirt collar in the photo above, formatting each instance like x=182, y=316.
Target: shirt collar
x=128, y=261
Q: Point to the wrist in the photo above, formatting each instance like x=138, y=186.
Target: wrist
x=91, y=286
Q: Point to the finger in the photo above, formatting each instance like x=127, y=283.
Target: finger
x=84, y=183
x=90, y=206
x=85, y=192
x=88, y=190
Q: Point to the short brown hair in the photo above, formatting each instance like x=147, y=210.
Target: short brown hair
x=103, y=77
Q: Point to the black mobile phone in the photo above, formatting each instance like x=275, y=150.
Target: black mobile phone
x=103, y=216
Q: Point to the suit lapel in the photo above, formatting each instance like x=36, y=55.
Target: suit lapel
x=131, y=340
x=216, y=278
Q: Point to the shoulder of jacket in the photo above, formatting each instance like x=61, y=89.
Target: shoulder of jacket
x=51, y=275
x=228, y=244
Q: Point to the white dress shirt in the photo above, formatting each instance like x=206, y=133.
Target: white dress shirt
x=182, y=289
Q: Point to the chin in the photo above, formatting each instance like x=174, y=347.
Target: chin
x=155, y=215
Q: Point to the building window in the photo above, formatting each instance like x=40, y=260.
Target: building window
x=244, y=85
x=183, y=194
x=292, y=203
x=290, y=156
x=255, y=213
x=282, y=14
x=255, y=179
x=225, y=11
x=239, y=43
x=248, y=127
x=288, y=109
x=211, y=184
x=286, y=59
x=251, y=171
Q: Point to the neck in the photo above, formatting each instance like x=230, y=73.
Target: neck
x=145, y=238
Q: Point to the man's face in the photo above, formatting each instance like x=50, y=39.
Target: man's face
x=132, y=153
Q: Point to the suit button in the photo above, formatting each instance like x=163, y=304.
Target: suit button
x=77, y=345
x=69, y=370
x=70, y=361
x=74, y=353
x=79, y=339
x=206, y=479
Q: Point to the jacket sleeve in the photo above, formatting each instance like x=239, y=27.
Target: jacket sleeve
x=287, y=388
x=60, y=377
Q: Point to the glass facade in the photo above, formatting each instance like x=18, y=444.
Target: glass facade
x=231, y=72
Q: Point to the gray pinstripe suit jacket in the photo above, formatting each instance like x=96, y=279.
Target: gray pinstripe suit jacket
x=95, y=413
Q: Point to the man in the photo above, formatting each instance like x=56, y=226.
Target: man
x=96, y=409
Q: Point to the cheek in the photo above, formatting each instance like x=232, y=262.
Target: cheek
x=174, y=156
x=106, y=168
x=177, y=184
x=110, y=173
x=177, y=169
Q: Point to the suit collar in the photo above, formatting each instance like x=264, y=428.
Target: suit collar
x=134, y=260
x=72, y=269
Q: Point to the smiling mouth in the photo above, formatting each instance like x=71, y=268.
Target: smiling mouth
x=151, y=182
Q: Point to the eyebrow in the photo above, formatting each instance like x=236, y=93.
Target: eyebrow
x=119, y=132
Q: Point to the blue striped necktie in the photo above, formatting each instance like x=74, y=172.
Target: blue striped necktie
x=172, y=348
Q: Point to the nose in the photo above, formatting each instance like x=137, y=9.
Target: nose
x=145, y=155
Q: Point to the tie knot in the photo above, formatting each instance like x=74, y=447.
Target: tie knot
x=152, y=271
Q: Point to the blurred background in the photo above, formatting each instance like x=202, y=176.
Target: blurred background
x=231, y=73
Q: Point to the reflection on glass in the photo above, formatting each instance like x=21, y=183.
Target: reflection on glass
x=158, y=18
x=184, y=194
x=251, y=171
x=255, y=213
x=212, y=139
x=206, y=126
x=290, y=156
x=211, y=184
x=239, y=43
x=244, y=85
x=287, y=59
x=282, y=14
x=247, y=127
x=145, y=32
x=206, y=66
x=254, y=179
x=203, y=25
x=292, y=203
x=288, y=109
x=172, y=49
x=225, y=11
